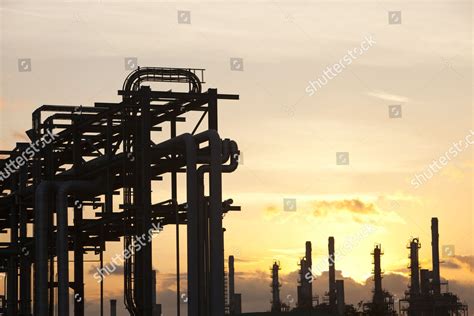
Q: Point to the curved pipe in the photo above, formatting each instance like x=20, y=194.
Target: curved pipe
x=133, y=81
x=62, y=236
x=192, y=227
x=217, y=303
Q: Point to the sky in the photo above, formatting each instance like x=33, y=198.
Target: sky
x=397, y=107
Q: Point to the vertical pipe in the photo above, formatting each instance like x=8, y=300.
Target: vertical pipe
x=332, y=273
x=113, y=307
x=144, y=195
x=213, y=113
x=25, y=261
x=101, y=259
x=231, y=284
x=435, y=256
x=174, y=197
x=78, y=264
x=12, y=284
x=216, y=236
x=42, y=194
x=192, y=219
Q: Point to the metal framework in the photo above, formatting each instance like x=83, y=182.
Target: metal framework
x=106, y=158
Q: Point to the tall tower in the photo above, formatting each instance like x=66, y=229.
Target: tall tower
x=414, y=267
x=305, y=289
x=276, y=302
x=332, y=273
x=435, y=256
x=378, y=293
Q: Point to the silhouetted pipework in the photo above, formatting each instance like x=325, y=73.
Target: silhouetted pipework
x=429, y=299
x=81, y=157
x=305, y=289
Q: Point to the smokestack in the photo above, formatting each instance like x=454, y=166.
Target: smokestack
x=308, y=255
x=378, y=295
x=414, y=267
x=113, y=307
x=341, y=303
x=332, y=273
x=435, y=255
x=231, y=284
x=276, y=302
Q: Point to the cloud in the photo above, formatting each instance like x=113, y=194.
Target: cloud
x=387, y=96
x=323, y=208
x=460, y=262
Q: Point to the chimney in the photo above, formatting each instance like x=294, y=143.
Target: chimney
x=341, y=303
x=332, y=273
x=231, y=284
x=414, y=267
x=276, y=302
x=435, y=256
x=308, y=255
x=378, y=295
x=113, y=307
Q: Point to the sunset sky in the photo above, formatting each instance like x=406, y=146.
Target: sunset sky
x=288, y=138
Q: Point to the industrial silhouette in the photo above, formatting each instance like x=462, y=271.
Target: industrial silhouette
x=424, y=300
x=110, y=150
x=96, y=153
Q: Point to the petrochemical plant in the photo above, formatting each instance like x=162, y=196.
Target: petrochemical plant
x=85, y=179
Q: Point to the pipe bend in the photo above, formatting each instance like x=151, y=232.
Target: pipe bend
x=63, y=189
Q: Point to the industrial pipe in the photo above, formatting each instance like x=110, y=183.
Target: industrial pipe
x=192, y=225
x=217, y=303
x=62, y=241
x=42, y=194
